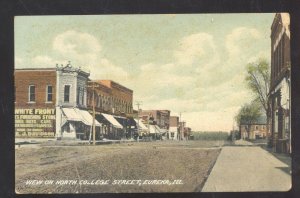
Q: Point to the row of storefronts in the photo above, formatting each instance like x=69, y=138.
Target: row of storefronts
x=59, y=102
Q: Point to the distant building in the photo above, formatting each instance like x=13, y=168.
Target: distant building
x=173, y=133
x=160, y=117
x=181, y=130
x=279, y=95
x=187, y=131
x=257, y=130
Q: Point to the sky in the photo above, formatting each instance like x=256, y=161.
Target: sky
x=189, y=63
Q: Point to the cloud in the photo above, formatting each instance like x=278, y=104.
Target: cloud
x=79, y=47
x=43, y=61
x=73, y=42
x=205, y=80
x=241, y=38
x=195, y=47
x=105, y=69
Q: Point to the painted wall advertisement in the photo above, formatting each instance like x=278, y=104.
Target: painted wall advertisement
x=35, y=122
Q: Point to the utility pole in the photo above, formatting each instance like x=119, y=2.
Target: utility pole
x=94, y=126
x=138, y=103
x=180, y=126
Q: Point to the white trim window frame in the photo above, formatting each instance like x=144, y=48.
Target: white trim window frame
x=69, y=94
x=31, y=94
x=49, y=94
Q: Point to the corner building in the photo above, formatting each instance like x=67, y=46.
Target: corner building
x=52, y=102
x=280, y=88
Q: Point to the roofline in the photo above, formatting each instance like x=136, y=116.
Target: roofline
x=155, y=110
x=126, y=88
x=274, y=20
x=35, y=69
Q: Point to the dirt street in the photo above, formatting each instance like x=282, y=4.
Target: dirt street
x=128, y=167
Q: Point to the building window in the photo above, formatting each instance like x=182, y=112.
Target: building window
x=31, y=93
x=15, y=93
x=67, y=93
x=78, y=95
x=256, y=127
x=49, y=93
x=82, y=96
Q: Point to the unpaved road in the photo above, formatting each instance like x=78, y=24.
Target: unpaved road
x=186, y=162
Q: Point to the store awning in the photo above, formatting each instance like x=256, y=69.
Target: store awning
x=112, y=120
x=78, y=115
x=72, y=115
x=121, y=120
x=87, y=117
x=141, y=124
x=159, y=130
x=153, y=129
x=163, y=130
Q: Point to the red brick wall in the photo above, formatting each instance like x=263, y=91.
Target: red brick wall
x=174, y=121
x=100, y=90
x=121, y=96
x=40, y=78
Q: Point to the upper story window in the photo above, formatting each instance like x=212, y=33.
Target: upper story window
x=49, y=93
x=31, y=94
x=67, y=93
x=80, y=95
x=15, y=93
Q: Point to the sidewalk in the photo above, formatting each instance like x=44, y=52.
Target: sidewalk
x=247, y=168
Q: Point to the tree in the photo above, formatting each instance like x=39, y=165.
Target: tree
x=248, y=115
x=258, y=80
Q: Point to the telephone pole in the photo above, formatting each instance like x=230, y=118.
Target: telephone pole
x=180, y=126
x=138, y=103
x=94, y=126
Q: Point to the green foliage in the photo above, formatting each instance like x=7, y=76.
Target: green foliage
x=249, y=113
x=218, y=135
x=258, y=80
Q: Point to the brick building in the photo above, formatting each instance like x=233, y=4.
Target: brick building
x=257, y=130
x=121, y=97
x=279, y=95
x=174, y=128
x=113, y=108
x=187, y=131
x=51, y=102
x=160, y=117
x=35, y=101
x=103, y=95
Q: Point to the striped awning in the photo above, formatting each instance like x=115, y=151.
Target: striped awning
x=112, y=120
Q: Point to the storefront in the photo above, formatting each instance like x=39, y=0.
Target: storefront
x=35, y=122
x=77, y=124
x=112, y=129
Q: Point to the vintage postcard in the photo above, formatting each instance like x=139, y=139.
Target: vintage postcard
x=152, y=103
